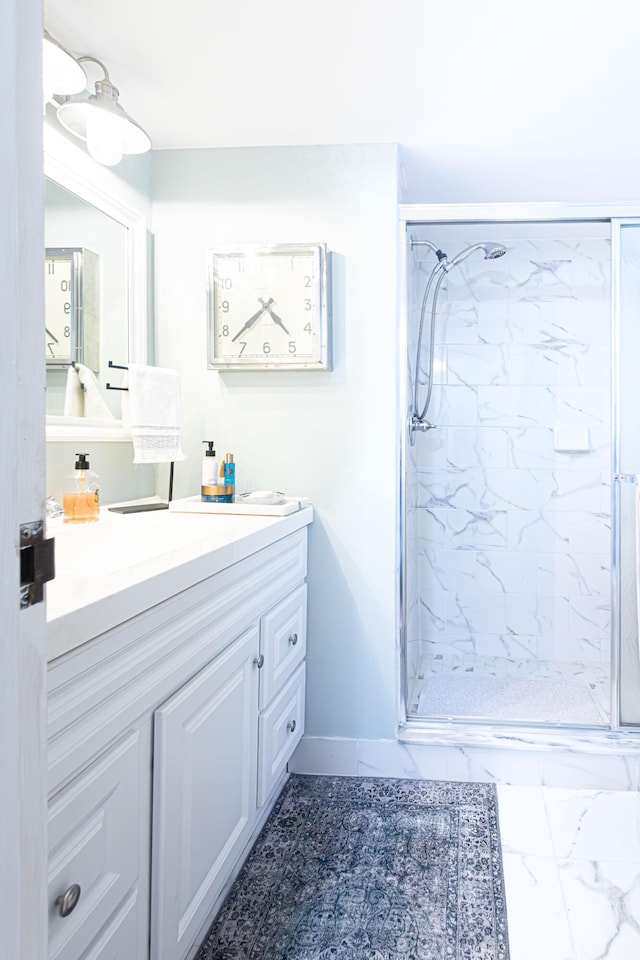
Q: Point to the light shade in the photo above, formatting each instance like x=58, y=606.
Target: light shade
x=100, y=120
x=61, y=72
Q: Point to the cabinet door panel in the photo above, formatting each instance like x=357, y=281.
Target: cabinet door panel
x=284, y=642
x=94, y=842
x=204, y=793
x=281, y=729
x=119, y=940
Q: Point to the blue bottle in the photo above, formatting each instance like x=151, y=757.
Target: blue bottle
x=230, y=475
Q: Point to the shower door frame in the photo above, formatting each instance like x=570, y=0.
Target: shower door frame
x=425, y=729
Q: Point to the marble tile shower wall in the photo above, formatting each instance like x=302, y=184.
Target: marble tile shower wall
x=513, y=529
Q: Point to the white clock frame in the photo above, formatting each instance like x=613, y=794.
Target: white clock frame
x=249, y=287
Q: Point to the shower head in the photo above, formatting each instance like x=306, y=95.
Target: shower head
x=491, y=252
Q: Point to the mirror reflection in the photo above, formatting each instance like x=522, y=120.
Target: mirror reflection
x=85, y=305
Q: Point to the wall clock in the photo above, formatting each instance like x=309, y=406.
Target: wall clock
x=268, y=307
x=72, y=296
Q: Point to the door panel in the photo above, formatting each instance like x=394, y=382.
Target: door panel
x=204, y=793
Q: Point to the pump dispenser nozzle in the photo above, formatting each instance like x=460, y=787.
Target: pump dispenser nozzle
x=209, y=465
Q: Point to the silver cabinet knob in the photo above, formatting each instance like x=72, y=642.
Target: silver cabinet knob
x=68, y=901
x=259, y=661
x=293, y=639
x=291, y=726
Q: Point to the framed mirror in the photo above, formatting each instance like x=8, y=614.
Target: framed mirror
x=96, y=283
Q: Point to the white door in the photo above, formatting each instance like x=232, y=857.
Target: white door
x=22, y=640
x=204, y=793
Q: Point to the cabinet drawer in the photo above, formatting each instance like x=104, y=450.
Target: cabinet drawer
x=280, y=729
x=94, y=842
x=283, y=642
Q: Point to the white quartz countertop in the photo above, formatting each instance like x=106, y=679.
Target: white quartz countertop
x=112, y=570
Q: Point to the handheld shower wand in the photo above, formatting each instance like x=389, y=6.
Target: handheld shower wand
x=491, y=251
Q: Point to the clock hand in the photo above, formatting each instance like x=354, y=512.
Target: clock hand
x=250, y=322
x=274, y=316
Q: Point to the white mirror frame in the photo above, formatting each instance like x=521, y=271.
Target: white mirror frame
x=73, y=169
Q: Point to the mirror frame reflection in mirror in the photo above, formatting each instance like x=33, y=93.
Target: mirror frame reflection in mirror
x=75, y=171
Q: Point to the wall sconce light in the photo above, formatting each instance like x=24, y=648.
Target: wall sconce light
x=100, y=120
x=61, y=72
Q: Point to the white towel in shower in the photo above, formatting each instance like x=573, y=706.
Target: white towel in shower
x=151, y=409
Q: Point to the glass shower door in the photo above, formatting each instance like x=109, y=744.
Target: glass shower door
x=626, y=469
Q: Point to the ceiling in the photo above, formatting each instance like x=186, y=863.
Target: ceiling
x=493, y=100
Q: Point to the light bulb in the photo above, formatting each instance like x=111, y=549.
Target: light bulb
x=61, y=73
x=105, y=136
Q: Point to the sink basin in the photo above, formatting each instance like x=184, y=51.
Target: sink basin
x=116, y=542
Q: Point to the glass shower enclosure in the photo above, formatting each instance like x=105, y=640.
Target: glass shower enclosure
x=521, y=448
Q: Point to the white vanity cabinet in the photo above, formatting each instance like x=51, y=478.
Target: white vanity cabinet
x=168, y=737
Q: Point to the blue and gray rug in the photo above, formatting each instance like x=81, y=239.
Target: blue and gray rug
x=351, y=868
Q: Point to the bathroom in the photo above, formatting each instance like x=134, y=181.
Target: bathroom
x=345, y=424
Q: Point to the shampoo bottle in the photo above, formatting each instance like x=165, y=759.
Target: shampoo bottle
x=81, y=502
x=209, y=468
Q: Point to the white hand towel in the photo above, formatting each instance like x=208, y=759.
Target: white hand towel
x=73, y=395
x=94, y=404
x=151, y=409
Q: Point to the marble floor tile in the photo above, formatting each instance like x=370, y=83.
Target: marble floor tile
x=537, y=920
x=572, y=872
x=594, y=824
x=524, y=827
x=602, y=898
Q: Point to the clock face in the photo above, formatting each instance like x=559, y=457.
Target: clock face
x=268, y=308
x=59, y=309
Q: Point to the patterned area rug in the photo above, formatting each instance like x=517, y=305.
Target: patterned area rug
x=350, y=868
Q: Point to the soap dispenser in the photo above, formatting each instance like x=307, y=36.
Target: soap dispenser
x=81, y=493
x=209, y=466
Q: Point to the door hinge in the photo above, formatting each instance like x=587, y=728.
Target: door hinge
x=37, y=562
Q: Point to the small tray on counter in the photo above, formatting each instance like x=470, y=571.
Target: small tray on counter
x=240, y=506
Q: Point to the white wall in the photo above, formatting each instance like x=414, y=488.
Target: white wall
x=330, y=436
x=120, y=478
